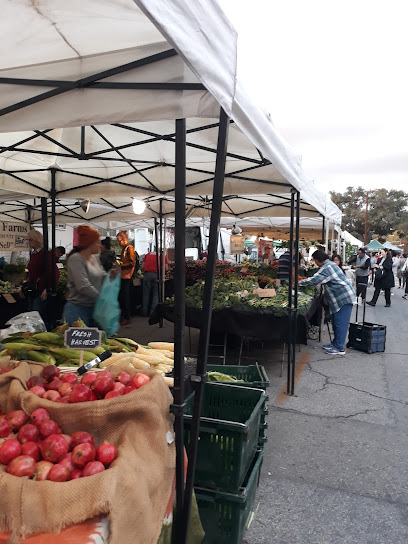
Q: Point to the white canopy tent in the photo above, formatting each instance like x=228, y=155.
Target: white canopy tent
x=71, y=67
x=92, y=94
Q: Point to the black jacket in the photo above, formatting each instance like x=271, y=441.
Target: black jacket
x=386, y=279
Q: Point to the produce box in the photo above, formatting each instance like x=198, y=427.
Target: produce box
x=229, y=429
x=224, y=515
x=252, y=375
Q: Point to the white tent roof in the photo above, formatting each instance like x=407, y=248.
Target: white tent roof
x=139, y=65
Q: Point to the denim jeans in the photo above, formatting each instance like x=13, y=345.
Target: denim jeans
x=73, y=311
x=150, y=292
x=341, y=320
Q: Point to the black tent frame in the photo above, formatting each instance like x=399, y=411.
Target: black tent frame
x=183, y=494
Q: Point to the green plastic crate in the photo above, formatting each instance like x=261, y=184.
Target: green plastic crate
x=225, y=516
x=229, y=432
x=250, y=374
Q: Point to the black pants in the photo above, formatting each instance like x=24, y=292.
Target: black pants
x=387, y=292
x=124, y=298
x=361, y=285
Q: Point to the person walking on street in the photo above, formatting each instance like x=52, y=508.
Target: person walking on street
x=107, y=255
x=85, y=277
x=150, y=282
x=340, y=296
x=384, y=278
x=373, y=261
x=362, y=266
x=400, y=273
x=404, y=270
x=128, y=259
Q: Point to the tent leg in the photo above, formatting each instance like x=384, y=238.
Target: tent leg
x=160, y=253
x=290, y=321
x=179, y=324
x=44, y=220
x=296, y=297
x=202, y=357
x=52, y=295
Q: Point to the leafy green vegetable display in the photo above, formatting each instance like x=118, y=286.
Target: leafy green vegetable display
x=237, y=294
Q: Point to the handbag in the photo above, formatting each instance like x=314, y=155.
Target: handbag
x=30, y=288
x=106, y=311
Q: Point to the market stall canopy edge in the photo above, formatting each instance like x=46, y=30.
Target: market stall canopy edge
x=70, y=43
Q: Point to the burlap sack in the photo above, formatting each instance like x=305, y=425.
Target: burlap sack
x=12, y=384
x=133, y=492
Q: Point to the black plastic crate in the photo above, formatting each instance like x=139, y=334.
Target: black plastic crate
x=368, y=337
x=224, y=515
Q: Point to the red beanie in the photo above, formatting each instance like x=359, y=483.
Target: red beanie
x=87, y=236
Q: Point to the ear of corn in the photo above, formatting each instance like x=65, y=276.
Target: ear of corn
x=48, y=338
x=41, y=357
x=17, y=346
x=162, y=345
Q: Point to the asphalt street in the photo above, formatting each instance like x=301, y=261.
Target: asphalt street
x=335, y=464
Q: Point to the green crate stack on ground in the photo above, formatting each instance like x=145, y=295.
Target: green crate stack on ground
x=229, y=458
x=253, y=376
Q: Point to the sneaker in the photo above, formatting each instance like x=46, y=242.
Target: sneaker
x=334, y=351
x=327, y=346
x=370, y=303
x=405, y=297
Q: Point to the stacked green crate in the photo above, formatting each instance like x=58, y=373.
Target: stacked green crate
x=228, y=458
x=252, y=376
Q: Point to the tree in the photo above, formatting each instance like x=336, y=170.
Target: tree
x=352, y=204
x=386, y=210
x=402, y=228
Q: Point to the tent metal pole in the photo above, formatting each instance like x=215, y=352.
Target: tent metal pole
x=295, y=311
x=327, y=236
x=164, y=258
x=51, y=296
x=179, y=324
x=44, y=221
x=156, y=248
x=160, y=253
x=201, y=375
x=289, y=339
x=323, y=227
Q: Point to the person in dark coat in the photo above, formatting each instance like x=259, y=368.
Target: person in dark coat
x=384, y=278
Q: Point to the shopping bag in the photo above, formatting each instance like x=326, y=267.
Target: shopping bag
x=106, y=312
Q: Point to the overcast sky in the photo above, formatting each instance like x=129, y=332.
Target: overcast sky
x=334, y=77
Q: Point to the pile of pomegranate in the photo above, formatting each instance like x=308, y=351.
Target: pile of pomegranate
x=36, y=448
x=65, y=388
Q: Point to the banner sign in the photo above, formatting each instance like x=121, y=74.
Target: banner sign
x=13, y=236
x=237, y=244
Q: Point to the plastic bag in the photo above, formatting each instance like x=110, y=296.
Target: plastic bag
x=25, y=322
x=107, y=311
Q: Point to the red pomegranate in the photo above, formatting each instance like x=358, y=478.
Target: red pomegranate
x=53, y=448
x=28, y=433
x=81, y=437
x=9, y=450
x=23, y=465
x=92, y=468
x=32, y=449
x=82, y=455
x=106, y=454
x=38, y=416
